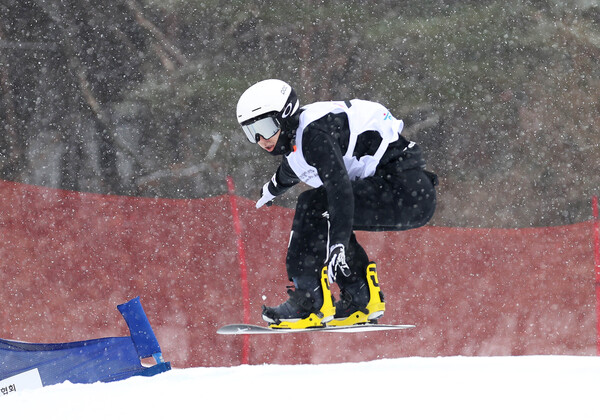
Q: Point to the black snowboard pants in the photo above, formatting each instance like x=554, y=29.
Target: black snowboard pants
x=390, y=200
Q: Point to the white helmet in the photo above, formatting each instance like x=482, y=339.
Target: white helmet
x=263, y=106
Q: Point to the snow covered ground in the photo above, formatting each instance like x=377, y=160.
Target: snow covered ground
x=526, y=387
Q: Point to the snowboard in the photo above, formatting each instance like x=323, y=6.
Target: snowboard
x=235, y=329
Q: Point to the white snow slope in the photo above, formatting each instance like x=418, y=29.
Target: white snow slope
x=524, y=387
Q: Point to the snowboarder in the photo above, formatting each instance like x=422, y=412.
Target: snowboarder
x=365, y=176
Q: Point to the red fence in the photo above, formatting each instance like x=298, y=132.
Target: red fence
x=67, y=259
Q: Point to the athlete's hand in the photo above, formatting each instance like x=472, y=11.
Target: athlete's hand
x=266, y=197
x=336, y=260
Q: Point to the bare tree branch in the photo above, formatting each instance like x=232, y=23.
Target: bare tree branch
x=156, y=33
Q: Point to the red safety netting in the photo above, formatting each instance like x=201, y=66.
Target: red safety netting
x=67, y=259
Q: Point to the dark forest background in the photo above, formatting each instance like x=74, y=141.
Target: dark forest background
x=137, y=97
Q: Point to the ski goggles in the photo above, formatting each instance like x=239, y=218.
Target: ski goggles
x=265, y=127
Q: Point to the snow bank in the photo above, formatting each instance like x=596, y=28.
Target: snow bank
x=526, y=387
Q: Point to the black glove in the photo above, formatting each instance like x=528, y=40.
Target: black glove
x=336, y=260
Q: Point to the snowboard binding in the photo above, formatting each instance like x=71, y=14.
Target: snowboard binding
x=353, y=308
x=303, y=304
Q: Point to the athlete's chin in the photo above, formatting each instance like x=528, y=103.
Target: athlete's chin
x=274, y=151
